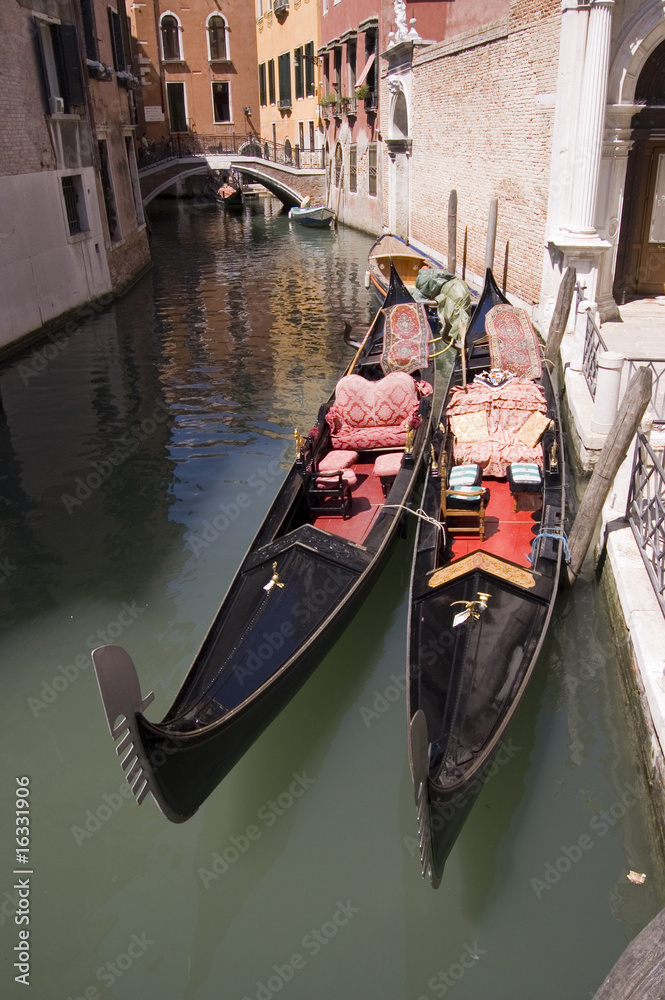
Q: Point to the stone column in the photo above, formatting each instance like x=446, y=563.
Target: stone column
x=591, y=120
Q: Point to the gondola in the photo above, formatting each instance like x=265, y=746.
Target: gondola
x=392, y=251
x=316, y=554
x=485, y=569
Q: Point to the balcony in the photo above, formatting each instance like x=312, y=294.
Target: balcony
x=285, y=104
x=280, y=6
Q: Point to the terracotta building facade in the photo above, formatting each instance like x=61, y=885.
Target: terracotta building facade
x=198, y=66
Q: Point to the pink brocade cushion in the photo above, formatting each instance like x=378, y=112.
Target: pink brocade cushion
x=388, y=464
x=369, y=415
x=336, y=460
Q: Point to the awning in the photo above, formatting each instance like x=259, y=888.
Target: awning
x=367, y=67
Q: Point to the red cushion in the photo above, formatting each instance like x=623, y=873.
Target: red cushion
x=369, y=415
x=348, y=475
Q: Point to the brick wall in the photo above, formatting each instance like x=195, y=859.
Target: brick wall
x=482, y=119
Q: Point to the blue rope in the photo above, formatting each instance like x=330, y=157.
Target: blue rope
x=560, y=536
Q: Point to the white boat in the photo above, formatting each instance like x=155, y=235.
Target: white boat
x=317, y=216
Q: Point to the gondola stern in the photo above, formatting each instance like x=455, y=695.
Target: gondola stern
x=120, y=691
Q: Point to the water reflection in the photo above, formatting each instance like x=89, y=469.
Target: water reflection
x=159, y=411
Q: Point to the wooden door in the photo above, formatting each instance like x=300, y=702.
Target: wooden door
x=650, y=243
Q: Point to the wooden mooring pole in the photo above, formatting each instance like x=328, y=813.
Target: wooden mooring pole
x=557, y=328
x=452, y=232
x=491, y=233
x=633, y=405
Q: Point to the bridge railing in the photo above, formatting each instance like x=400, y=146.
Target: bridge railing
x=232, y=143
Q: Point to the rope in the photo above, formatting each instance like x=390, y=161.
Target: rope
x=558, y=535
x=418, y=513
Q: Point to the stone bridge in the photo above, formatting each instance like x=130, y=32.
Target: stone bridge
x=288, y=183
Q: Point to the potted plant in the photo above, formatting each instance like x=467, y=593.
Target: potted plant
x=362, y=91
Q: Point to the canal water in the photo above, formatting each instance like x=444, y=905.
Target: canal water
x=140, y=450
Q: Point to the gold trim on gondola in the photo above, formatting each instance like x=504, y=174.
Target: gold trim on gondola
x=488, y=564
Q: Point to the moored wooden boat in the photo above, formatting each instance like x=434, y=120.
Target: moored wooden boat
x=485, y=570
x=314, y=557
x=313, y=216
x=392, y=251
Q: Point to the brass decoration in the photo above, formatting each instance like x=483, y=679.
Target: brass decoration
x=472, y=609
x=274, y=580
x=554, y=458
x=299, y=440
x=408, y=445
x=489, y=564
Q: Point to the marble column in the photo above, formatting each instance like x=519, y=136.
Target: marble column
x=591, y=121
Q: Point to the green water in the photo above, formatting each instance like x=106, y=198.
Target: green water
x=124, y=447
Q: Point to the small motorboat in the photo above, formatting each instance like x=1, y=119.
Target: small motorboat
x=305, y=575
x=313, y=216
x=486, y=566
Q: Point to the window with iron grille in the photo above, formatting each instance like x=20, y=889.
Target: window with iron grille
x=301, y=134
x=372, y=160
x=72, y=192
x=353, y=168
x=311, y=135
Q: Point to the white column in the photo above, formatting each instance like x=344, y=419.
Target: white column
x=608, y=383
x=591, y=120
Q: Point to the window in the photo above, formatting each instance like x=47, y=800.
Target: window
x=338, y=165
x=109, y=195
x=119, y=61
x=175, y=93
x=271, y=81
x=310, y=87
x=89, y=29
x=337, y=82
x=351, y=65
x=301, y=134
x=61, y=66
x=72, y=192
x=299, y=75
x=217, y=37
x=326, y=74
x=221, y=102
x=372, y=168
x=311, y=135
x=370, y=66
x=170, y=30
x=353, y=168
x=288, y=155
x=262, y=85
x=284, y=70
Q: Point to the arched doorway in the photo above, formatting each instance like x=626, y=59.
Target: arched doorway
x=640, y=268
